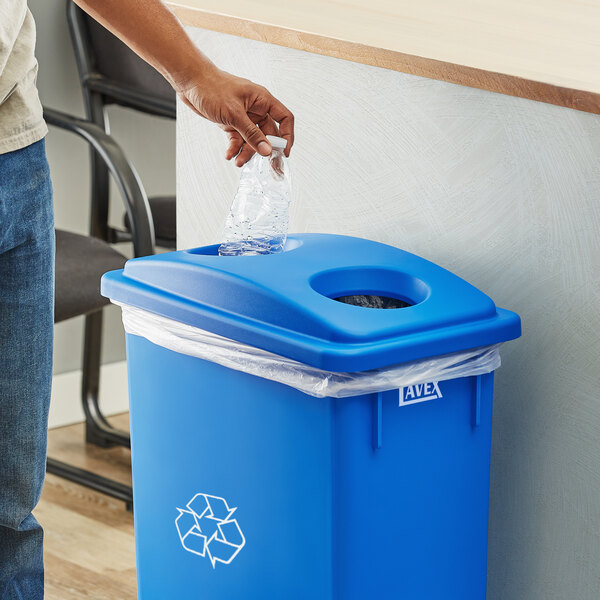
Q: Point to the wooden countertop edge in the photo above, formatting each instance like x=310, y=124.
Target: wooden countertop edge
x=389, y=59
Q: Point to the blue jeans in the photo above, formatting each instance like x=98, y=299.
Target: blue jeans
x=26, y=329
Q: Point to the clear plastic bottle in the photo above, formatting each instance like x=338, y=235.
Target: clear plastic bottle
x=258, y=219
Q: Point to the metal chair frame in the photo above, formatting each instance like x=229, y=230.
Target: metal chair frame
x=98, y=429
x=106, y=158
x=98, y=92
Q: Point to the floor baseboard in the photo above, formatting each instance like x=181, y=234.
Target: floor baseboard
x=65, y=406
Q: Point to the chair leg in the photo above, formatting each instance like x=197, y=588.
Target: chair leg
x=115, y=489
x=98, y=430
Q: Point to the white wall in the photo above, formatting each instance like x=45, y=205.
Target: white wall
x=149, y=142
x=503, y=191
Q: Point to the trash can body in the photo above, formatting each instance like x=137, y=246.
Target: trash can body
x=325, y=513
x=248, y=488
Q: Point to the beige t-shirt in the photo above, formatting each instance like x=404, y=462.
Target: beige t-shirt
x=21, y=122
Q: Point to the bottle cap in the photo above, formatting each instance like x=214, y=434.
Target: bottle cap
x=277, y=142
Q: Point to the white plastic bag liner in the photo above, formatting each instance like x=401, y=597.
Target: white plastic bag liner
x=192, y=341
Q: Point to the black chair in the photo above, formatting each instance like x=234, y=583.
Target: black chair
x=80, y=262
x=110, y=73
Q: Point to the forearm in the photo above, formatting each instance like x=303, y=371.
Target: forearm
x=246, y=111
x=150, y=29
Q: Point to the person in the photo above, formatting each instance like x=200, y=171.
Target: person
x=244, y=110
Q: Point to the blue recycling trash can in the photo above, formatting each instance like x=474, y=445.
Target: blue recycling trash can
x=248, y=489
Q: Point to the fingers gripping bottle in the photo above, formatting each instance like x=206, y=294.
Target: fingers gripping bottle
x=258, y=219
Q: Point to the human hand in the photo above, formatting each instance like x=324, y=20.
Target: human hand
x=247, y=112
x=236, y=104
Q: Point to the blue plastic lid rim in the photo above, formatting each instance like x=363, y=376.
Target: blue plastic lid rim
x=282, y=303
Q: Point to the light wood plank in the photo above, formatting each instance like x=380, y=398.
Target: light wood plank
x=545, y=50
x=111, y=551
x=67, y=443
x=68, y=581
x=89, y=537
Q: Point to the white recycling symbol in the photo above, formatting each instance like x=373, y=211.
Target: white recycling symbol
x=206, y=528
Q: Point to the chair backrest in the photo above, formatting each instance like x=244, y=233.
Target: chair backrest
x=109, y=69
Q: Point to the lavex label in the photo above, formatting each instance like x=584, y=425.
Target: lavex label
x=420, y=392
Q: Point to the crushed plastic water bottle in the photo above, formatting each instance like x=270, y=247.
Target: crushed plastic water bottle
x=258, y=219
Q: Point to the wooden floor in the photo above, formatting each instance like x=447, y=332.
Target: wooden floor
x=88, y=542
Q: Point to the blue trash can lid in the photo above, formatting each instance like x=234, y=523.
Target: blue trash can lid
x=308, y=302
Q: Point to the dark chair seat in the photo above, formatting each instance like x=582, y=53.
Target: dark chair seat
x=80, y=263
x=164, y=217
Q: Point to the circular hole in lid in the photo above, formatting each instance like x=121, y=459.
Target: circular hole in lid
x=370, y=287
x=371, y=301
